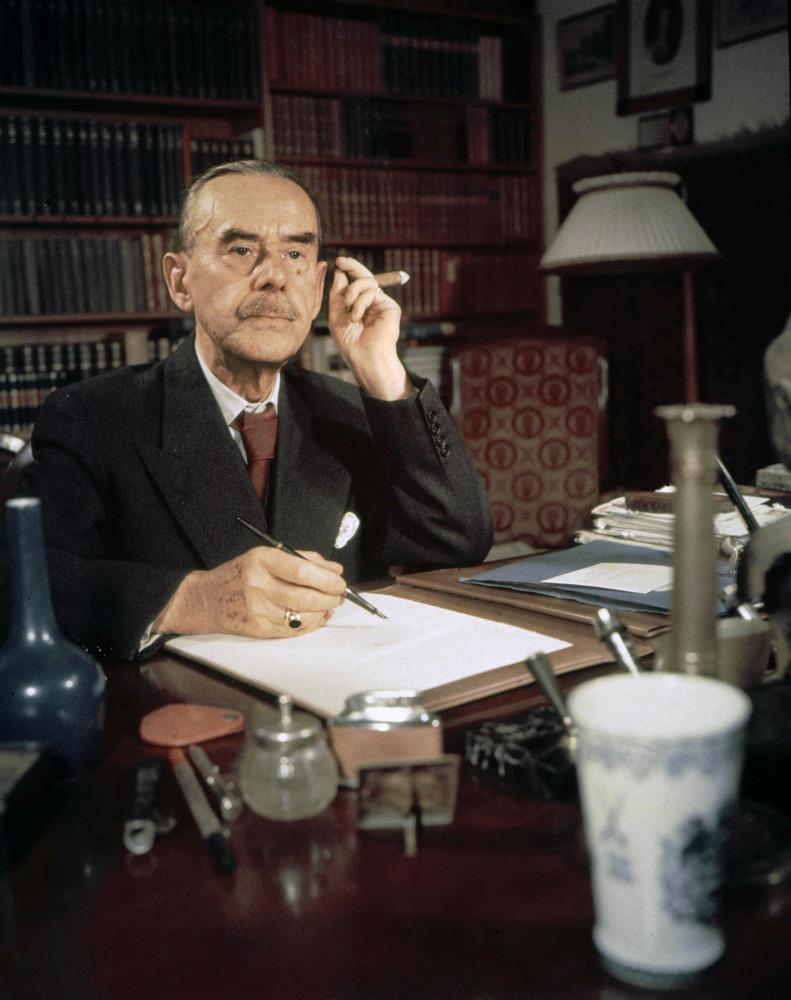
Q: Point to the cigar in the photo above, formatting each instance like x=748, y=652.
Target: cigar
x=390, y=278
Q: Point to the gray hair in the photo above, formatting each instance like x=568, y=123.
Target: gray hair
x=183, y=234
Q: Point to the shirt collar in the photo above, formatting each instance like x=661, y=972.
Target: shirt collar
x=231, y=404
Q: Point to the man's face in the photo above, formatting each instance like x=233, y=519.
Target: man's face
x=251, y=271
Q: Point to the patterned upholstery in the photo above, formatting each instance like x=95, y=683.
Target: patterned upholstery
x=528, y=411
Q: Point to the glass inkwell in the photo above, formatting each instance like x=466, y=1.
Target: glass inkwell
x=287, y=770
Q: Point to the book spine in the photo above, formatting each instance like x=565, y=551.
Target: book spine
x=95, y=179
x=120, y=169
x=43, y=162
x=14, y=174
x=85, y=177
x=58, y=167
x=134, y=169
x=27, y=174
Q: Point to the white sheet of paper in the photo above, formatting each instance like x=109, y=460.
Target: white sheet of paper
x=418, y=648
x=631, y=577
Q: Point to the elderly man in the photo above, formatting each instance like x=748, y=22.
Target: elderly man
x=143, y=471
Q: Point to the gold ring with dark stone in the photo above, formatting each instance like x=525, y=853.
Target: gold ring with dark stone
x=293, y=619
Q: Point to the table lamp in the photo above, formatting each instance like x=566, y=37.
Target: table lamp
x=633, y=222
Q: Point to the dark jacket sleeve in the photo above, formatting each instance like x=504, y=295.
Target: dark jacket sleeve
x=436, y=512
x=101, y=602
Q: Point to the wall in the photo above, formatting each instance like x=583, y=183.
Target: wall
x=749, y=87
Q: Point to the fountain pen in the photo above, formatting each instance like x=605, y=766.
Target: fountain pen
x=351, y=595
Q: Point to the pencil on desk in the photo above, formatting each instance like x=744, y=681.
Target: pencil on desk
x=209, y=826
x=351, y=595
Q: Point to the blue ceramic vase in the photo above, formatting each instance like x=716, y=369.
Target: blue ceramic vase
x=51, y=691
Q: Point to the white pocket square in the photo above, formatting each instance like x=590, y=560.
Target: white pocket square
x=349, y=524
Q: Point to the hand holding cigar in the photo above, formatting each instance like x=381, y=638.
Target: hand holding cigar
x=365, y=323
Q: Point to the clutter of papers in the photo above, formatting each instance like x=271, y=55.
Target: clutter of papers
x=616, y=522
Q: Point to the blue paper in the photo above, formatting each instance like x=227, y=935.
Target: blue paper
x=530, y=575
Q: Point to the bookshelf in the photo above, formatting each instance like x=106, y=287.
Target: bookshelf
x=417, y=126
x=422, y=138
x=107, y=107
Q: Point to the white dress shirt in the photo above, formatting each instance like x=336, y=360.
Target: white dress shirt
x=231, y=404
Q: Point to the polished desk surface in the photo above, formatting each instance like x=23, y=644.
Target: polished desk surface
x=496, y=905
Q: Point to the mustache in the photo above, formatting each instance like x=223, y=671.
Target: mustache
x=277, y=308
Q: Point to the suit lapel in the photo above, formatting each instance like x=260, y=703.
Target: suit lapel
x=311, y=475
x=198, y=468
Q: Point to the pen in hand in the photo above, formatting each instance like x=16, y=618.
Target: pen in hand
x=351, y=595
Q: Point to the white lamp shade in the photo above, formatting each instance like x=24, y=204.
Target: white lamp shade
x=628, y=222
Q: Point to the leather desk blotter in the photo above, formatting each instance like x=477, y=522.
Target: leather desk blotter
x=585, y=650
x=641, y=625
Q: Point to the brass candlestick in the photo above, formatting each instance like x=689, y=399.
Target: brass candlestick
x=692, y=430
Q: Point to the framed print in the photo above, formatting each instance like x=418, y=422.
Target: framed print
x=738, y=20
x=664, y=54
x=586, y=48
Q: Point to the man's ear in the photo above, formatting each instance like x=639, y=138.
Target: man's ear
x=174, y=267
x=321, y=275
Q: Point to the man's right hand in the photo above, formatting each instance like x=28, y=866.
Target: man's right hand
x=251, y=594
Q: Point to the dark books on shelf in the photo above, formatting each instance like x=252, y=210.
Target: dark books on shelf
x=59, y=275
x=30, y=372
x=66, y=166
x=206, y=153
x=368, y=128
x=174, y=48
x=311, y=52
x=451, y=283
x=396, y=54
x=434, y=208
x=429, y=56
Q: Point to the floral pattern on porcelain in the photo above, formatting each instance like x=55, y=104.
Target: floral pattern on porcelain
x=709, y=755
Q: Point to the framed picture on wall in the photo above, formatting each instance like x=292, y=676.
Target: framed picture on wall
x=664, y=54
x=738, y=20
x=586, y=47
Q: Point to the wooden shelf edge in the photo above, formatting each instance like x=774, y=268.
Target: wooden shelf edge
x=88, y=319
x=104, y=221
x=438, y=166
x=524, y=104
x=209, y=105
x=440, y=8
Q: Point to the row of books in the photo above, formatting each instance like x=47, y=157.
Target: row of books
x=178, y=48
x=89, y=167
x=205, y=153
x=30, y=372
x=401, y=54
x=113, y=273
x=452, y=283
x=439, y=208
x=367, y=128
x=311, y=52
x=430, y=57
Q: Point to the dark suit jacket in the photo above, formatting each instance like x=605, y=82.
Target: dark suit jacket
x=140, y=483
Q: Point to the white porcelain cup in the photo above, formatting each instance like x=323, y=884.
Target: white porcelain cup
x=659, y=760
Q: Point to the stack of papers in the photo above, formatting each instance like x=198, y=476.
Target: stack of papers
x=615, y=522
x=606, y=573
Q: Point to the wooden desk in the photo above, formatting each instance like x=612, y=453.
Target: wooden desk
x=497, y=905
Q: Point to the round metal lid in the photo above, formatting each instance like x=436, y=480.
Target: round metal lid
x=290, y=729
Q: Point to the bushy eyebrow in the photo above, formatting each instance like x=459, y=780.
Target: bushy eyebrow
x=232, y=235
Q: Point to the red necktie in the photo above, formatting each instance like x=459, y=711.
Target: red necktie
x=259, y=435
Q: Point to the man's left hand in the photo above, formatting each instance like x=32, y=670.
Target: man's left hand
x=365, y=324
